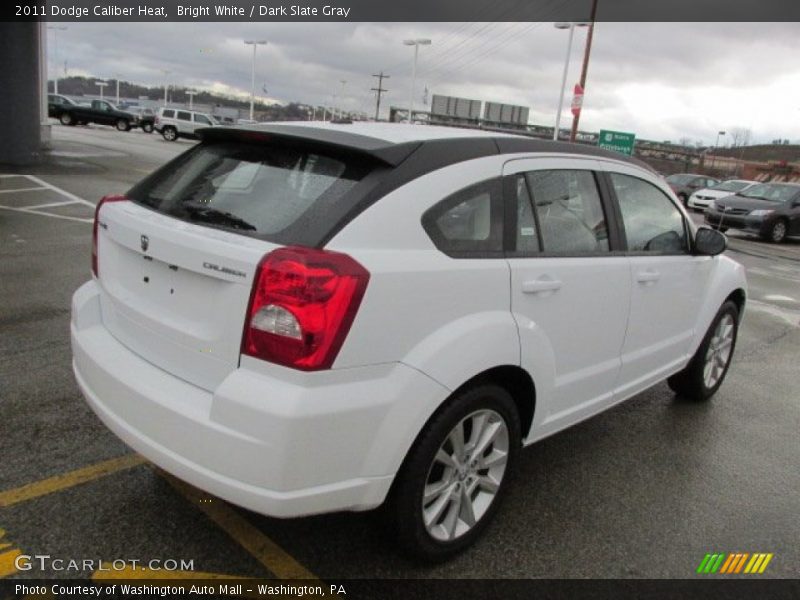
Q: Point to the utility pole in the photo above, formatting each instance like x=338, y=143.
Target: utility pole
x=380, y=90
x=577, y=117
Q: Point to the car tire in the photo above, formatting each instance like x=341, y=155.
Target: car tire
x=705, y=373
x=123, y=125
x=437, y=528
x=169, y=133
x=147, y=128
x=777, y=231
x=66, y=119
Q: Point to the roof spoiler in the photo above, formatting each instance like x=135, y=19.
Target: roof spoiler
x=385, y=152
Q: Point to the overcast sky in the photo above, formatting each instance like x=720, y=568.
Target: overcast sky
x=662, y=81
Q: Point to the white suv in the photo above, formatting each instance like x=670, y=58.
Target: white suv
x=307, y=318
x=174, y=123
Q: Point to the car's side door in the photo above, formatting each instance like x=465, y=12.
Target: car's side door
x=794, y=215
x=668, y=283
x=185, y=124
x=570, y=288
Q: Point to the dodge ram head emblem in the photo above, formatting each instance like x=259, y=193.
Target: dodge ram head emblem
x=145, y=243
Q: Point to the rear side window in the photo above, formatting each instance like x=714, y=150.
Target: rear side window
x=469, y=223
x=262, y=190
x=168, y=114
x=569, y=211
x=184, y=116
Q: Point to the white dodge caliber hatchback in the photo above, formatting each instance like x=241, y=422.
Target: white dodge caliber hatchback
x=312, y=318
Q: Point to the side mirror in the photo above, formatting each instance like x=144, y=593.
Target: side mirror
x=709, y=242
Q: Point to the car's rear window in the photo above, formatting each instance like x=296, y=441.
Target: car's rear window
x=261, y=190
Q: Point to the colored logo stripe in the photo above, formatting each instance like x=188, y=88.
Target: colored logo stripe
x=734, y=563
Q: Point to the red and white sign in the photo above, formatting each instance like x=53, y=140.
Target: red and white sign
x=577, y=99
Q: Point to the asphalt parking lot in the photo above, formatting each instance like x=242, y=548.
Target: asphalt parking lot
x=644, y=490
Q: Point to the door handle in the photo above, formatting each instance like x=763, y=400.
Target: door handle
x=648, y=276
x=537, y=286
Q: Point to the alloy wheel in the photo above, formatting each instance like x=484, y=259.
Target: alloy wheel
x=719, y=351
x=465, y=475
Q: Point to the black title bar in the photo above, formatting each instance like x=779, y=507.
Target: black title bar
x=400, y=10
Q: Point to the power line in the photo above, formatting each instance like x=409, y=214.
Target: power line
x=379, y=90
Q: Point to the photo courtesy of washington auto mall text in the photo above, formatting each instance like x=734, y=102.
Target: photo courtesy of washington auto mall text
x=392, y=300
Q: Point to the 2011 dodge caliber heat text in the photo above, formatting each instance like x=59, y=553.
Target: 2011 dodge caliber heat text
x=319, y=317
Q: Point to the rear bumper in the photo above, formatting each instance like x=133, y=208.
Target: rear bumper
x=310, y=443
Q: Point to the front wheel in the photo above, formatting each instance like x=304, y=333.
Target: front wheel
x=147, y=128
x=169, y=133
x=455, y=474
x=705, y=373
x=777, y=232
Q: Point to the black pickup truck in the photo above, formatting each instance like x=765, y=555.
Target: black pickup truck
x=101, y=112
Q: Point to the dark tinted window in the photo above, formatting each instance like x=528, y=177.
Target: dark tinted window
x=184, y=116
x=569, y=211
x=651, y=221
x=468, y=223
x=168, y=114
x=198, y=118
x=256, y=189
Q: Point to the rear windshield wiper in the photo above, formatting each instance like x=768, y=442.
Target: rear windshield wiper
x=203, y=212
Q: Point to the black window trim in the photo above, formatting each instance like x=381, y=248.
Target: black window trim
x=615, y=241
x=494, y=186
x=621, y=223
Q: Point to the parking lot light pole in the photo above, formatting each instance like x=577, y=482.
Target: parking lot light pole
x=341, y=95
x=166, y=85
x=416, y=43
x=191, y=94
x=716, y=143
x=255, y=44
x=101, y=85
x=55, y=29
x=571, y=27
x=117, y=90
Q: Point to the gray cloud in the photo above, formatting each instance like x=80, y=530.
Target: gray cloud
x=661, y=80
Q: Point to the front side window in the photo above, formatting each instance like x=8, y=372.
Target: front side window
x=652, y=223
x=470, y=222
x=184, y=116
x=569, y=211
x=201, y=119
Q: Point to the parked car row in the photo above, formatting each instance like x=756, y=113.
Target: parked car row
x=171, y=123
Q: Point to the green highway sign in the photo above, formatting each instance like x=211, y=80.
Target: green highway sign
x=617, y=141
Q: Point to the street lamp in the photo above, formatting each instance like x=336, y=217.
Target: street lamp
x=416, y=43
x=716, y=143
x=101, y=85
x=166, y=85
x=571, y=26
x=55, y=29
x=255, y=44
x=335, y=97
x=117, y=77
x=191, y=94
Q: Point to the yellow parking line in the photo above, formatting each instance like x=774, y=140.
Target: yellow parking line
x=263, y=549
x=8, y=558
x=68, y=480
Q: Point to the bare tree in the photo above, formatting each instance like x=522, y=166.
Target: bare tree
x=740, y=136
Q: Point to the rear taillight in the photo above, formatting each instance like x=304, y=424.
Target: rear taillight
x=103, y=200
x=302, y=306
